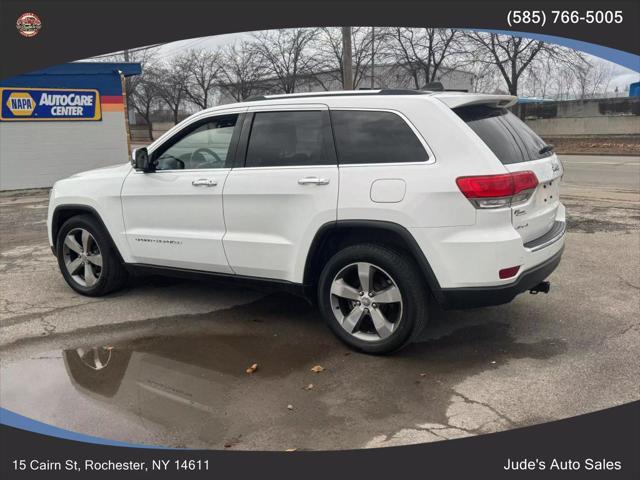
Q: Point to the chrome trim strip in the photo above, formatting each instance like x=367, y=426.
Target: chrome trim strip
x=562, y=230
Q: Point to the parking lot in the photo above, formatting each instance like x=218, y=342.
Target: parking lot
x=170, y=356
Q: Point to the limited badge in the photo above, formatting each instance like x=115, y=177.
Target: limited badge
x=28, y=24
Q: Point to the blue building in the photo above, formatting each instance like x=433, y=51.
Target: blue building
x=61, y=120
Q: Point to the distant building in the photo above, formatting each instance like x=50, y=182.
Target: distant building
x=62, y=120
x=385, y=76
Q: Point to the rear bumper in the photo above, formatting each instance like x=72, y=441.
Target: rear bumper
x=461, y=298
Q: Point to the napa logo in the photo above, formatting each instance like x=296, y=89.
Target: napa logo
x=21, y=104
x=49, y=104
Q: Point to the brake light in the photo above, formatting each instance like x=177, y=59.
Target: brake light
x=495, y=191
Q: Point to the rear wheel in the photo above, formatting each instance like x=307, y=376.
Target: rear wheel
x=373, y=298
x=88, y=262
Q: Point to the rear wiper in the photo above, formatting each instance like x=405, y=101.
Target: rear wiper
x=545, y=149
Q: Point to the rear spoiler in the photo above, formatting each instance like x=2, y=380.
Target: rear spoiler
x=455, y=100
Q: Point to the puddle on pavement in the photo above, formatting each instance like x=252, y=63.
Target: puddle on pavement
x=191, y=390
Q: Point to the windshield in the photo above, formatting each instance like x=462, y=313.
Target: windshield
x=508, y=137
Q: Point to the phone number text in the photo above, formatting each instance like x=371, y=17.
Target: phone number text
x=540, y=17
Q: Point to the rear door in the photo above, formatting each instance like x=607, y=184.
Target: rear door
x=519, y=149
x=286, y=189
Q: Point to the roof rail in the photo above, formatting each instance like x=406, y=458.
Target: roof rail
x=383, y=91
x=401, y=91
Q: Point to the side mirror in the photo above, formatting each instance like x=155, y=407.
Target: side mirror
x=141, y=161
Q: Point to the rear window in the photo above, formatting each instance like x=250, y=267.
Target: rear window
x=508, y=137
x=374, y=137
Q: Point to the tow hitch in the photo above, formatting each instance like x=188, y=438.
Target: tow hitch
x=542, y=287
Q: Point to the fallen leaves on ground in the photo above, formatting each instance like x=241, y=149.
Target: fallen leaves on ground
x=232, y=442
x=317, y=369
x=252, y=368
x=309, y=387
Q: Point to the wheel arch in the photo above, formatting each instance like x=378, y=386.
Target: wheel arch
x=333, y=236
x=62, y=213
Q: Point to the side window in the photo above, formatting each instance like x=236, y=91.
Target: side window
x=375, y=137
x=208, y=145
x=289, y=138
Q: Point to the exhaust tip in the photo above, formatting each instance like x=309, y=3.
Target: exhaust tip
x=542, y=287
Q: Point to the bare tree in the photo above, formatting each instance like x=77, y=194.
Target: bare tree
x=202, y=67
x=424, y=52
x=147, y=57
x=485, y=80
x=287, y=55
x=538, y=81
x=513, y=56
x=562, y=81
x=242, y=69
x=329, y=50
x=591, y=78
x=172, y=81
x=145, y=96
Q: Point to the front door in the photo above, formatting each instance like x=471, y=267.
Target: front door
x=173, y=217
x=286, y=190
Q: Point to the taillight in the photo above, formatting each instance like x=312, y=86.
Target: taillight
x=495, y=191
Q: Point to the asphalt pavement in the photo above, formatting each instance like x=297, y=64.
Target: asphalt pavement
x=164, y=361
x=622, y=172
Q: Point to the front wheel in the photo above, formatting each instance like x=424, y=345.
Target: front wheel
x=373, y=298
x=86, y=258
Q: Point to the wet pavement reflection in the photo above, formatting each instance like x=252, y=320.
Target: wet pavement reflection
x=192, y=389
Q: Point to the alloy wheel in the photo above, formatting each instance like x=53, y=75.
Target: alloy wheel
x=366, y=301
x=96, y=358
x=82, y=257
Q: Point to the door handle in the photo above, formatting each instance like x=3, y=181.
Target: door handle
x=204, y=182
x=313, y=181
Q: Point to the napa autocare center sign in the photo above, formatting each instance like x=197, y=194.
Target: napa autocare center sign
x=49, y=104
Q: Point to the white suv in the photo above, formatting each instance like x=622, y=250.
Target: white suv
x=372, y=203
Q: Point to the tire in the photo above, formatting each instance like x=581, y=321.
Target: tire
x=104, y=379
x=370, y=326
x=103, y=279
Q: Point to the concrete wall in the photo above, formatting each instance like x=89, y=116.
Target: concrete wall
x=611, y=116
x=36, y=154
x=586, y=126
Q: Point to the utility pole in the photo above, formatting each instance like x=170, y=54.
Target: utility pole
x=347, y=60
x=129, y=112
x=373, y=55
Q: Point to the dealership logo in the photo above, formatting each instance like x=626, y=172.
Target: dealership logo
x=21, y=104
x=28, y=24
